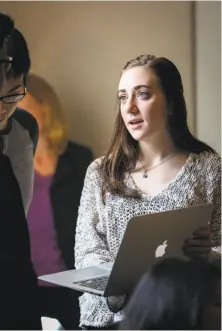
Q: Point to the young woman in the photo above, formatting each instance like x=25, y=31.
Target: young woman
x=176, y=295
x=60, y=167
x=153, y=164
x=18, y=138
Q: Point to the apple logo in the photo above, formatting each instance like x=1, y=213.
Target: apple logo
x=161, y=249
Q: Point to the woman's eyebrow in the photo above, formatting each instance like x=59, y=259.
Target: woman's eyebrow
x=137, y=87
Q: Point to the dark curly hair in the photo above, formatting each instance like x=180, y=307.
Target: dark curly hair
x=14, y=54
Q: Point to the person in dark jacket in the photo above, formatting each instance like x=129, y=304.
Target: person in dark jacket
x=18, y=138
x=60, y=167
x=176, y=294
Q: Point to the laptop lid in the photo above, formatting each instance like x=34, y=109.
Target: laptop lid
x=149, y=238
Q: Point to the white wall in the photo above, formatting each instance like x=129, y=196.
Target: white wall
x=81, y=47
x=208, y=72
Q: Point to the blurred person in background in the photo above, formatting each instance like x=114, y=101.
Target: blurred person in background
x=176, y=295
x=60, y=166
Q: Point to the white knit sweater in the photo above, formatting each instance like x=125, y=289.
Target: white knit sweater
x=100, y=227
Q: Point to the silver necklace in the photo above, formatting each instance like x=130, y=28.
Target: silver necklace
x=145, y=175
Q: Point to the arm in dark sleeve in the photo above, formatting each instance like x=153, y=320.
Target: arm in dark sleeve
x=89, y=157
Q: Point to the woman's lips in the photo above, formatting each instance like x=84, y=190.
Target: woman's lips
x=136, y=124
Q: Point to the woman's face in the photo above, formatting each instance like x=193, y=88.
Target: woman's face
x=142, y=103
x=9, y=87
x=34, y=107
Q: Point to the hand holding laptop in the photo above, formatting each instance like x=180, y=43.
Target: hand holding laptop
x=200, y=245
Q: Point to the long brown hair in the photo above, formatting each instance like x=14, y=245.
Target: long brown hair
x=123, y=152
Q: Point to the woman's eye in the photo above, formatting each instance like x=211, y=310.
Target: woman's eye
x=122, y=98
x=143, y=95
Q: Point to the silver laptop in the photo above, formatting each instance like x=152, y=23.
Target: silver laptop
x=148, y=238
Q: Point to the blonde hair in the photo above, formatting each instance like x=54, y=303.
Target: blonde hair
x=55, y=125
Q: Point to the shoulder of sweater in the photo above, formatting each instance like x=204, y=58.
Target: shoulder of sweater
x=209, y=163
x=210, y=157
x=93, y=171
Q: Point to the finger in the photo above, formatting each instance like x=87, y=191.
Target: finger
x=203, y=230
x=201, y=233
x=198, y=242
x=198, y=256
x=197, y=250
x=206, y=227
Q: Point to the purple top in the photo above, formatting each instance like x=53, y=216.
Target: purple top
x=45, y=252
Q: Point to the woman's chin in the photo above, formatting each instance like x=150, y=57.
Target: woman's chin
x=138, y=136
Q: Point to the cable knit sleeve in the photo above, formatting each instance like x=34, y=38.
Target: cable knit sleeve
x=91, y=246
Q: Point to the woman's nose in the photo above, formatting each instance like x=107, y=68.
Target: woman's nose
x=131, y=106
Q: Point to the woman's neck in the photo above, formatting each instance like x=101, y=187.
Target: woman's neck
x=156, y=149
x=42, y=149
x=44, y=162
